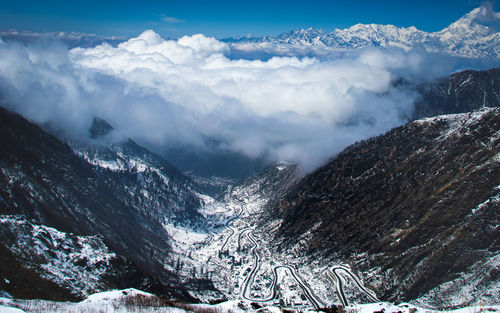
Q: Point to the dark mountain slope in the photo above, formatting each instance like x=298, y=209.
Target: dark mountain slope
x=153, y=187
x=41, y=262
x=42, y=179
x=459, y=93
x=416, y=207
x=269, y=184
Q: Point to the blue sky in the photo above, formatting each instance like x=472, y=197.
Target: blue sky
x=173, y=18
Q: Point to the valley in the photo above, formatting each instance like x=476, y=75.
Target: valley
x=242, y=244
x=238, y=257
x=259, y=252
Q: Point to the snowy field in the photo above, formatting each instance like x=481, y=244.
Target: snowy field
x=132, y=300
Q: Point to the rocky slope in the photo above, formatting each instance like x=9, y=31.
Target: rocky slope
x=458, y=93
x=153, y=187
x=43, y=180
x=42, y=262
x=414, y=211
x=267, y=185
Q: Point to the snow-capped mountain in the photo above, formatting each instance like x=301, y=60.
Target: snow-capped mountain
x=71, y=39
x=476, y=34
x=146, y=181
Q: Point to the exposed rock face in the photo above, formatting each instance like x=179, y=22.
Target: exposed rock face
x=410, y=210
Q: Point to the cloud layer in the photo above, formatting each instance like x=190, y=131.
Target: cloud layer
x=189, y=92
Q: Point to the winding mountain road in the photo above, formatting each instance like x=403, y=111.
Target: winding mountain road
x=228, y=226
x=241, y=235
x=339, y=283
x=251, y=276
x=331, y=273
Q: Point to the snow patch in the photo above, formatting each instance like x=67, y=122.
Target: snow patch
x=75, y=262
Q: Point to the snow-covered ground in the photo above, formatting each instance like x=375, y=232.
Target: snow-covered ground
x=235, y=249
x=75, y=262
x=132, y=300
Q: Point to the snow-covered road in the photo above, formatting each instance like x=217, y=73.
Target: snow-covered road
x=250, y=278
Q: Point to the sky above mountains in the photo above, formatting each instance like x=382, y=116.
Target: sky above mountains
x=224, y=18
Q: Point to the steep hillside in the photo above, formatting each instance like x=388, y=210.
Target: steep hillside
x=43, y=180
x=414, y=211
x=41, y=262
x=154, y=188
x=267, y=185
x=458, y=93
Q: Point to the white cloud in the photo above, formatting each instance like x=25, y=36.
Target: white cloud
x=165, y=92
x=173, y=20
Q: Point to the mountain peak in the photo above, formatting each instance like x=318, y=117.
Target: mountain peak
x=486, y=16
x=483, y=19
x=99, y=128
x=307, y=31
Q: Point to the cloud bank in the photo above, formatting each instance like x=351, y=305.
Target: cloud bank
x=190, y=92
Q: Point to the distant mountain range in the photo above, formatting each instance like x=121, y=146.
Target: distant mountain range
x=71, y=39
x=476, y=34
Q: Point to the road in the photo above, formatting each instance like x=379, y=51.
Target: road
x=228, y=226
x=333, y=274
x=339, y=285
x=250, y=278
x=305, y=288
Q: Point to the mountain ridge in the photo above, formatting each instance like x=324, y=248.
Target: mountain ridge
x=412, y=210
x=46, y=182
x=474, y=35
